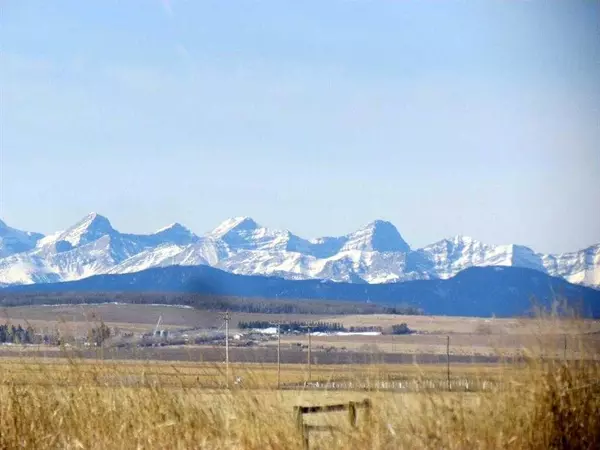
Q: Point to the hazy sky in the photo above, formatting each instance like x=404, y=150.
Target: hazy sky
x=479, y=118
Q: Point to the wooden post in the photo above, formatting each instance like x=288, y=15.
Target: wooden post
x=300, y=427
x=565, y=349
x=448, y=359
x=368, y=416
x=278, y=356
x=352, y=414
x=299, y=420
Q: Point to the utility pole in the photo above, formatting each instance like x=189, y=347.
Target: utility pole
x=309, y=358
x=448, y=358
x=565, y=350
x=278, y=355
x=227, y=318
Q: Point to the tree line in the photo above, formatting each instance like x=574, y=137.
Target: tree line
x=206, y=302
x=293, y=327
x=320, y=327
x=16, y=335
x=10, y=334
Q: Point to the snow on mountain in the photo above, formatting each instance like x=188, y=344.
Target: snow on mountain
x=202, y=252
x=90, y=247
x=450, y=256
x=243, y=233
x=91, y=227
x=581, y=267
x=378, y=236
x=376, y=253
x=175, y=234
x=16, y=241
x=22, y=268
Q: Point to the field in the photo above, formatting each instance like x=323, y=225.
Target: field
x=185, y=396
x=471, y=339
x=97, y=405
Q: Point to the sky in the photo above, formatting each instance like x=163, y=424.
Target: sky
x=479, y=118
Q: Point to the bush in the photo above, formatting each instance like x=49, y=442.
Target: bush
x=401, y=329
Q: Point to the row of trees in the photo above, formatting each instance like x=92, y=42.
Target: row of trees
x=365, y=329
x=323, y=327
x=291, y=327
x=16, y=335
x=19, y=335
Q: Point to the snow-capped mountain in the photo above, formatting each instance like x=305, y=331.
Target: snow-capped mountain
x=15, y=241
x=376, y=253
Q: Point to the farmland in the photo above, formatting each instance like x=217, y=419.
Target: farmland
x=476, y=340
x=97, y=404
x=511, y=383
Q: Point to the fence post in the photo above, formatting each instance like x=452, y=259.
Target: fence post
x=352, y=414
x=300, y=427
x=368, y=416
x=299, y=419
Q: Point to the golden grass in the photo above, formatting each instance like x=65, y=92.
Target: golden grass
x=96, y=404
x=121, y=405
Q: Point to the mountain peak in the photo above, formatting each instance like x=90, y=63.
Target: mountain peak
x=235, y=223
x=380, y=224
x=176, y=234
x=460, y=238
x=175, y=226
x=377, y=236
x=88, y=229
x=95, y=220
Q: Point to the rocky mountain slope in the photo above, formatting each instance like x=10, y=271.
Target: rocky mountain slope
x=374, y=254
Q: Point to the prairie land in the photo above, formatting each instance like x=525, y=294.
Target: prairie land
x=479, y=340
x=185, y=396
x=99, y=404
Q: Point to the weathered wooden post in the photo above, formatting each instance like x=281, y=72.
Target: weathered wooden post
x=368, y=416
x=300, y=426
x=352, y=414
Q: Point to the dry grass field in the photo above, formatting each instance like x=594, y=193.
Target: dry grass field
x=122, y=405
x=167, y=397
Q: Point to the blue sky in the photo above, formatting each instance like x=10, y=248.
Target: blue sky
x=475, y=118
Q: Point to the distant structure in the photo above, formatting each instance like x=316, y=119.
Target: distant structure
x=157, y=331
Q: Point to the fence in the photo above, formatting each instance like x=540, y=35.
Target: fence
x=457, y=384
x=305, y=429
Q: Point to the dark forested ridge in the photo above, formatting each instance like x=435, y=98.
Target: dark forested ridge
x=480, y=291
x=198, y=301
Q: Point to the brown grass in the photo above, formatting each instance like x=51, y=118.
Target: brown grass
x=97, y=404
x=74, y=404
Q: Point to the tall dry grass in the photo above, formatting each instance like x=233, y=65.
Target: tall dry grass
x=548, y=404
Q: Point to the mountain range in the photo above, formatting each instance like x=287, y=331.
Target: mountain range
x=374, y=254
x=476, y=291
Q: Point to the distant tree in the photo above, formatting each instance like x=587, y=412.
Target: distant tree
x=99, y=334
x=401, y=329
